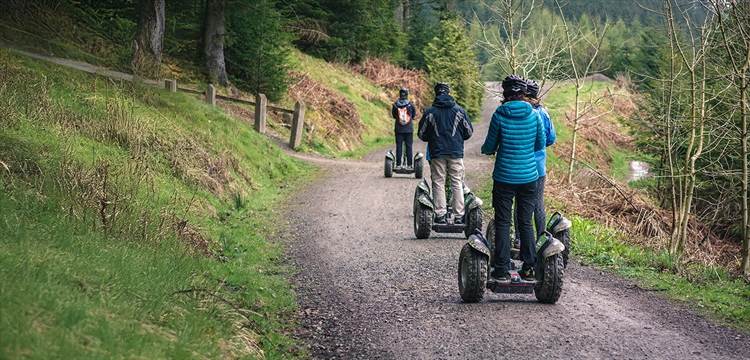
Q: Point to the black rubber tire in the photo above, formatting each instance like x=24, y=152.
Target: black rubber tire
x=550, y=282
x=472, y=274
x=415, y=206
x=564, y=237
x=423, y=221
x=388, y=168
x=473, y=221
x=418, y=167
x=490, y=236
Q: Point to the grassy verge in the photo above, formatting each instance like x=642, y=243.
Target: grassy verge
x=135, y=222
x=708, y=290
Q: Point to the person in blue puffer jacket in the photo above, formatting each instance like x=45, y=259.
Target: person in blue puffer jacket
x=515, y=134
x=540, y=215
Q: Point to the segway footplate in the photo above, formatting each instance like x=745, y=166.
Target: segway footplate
x=448, y=228
x=516, y=286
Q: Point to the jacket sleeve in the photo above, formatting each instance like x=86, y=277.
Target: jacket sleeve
x=412, y=111
x=541, y=138
x=394, y=112
x=424, y=131
x=492, y=141
x=467, y=129
x=548, y=127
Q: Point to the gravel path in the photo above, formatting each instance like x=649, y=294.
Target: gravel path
x=368, y=289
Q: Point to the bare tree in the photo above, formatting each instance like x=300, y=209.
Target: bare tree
x=689, y=43
x=517, y=50
x=213, y=43
x=736, y=41
x=149, y=39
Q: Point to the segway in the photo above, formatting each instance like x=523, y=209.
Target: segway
x=424, y=213
x=390, y=168
x=474, y=269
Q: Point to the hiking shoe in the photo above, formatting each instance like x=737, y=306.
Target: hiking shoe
x=528, y=275
x=440, y=219
x=502, y=277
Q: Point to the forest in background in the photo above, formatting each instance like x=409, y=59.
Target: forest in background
x=688, y=61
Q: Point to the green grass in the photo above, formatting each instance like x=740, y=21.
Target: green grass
x=136, y=223
x=708, y=290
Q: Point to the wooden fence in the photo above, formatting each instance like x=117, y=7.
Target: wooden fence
x=261, y=106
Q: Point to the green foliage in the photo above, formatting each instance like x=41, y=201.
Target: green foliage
x=450, y=58
x=256, y=48
x=347, y=30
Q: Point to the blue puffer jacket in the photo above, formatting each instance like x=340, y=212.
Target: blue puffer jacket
x=445, y=126
x=549, y=132
x=515, y=133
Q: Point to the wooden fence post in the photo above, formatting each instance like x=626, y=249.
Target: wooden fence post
x=170, y=85
x=211, y=95
x=298, y=122
x=260, y=113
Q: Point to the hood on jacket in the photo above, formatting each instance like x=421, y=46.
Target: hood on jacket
x=444, y=101
x=401, y=102
x=514, y=109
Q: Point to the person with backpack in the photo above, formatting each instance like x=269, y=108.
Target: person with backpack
x=515, y=134
x=403, y=111
x=445, y=126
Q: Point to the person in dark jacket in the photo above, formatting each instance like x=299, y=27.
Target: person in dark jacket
x=445, y=126
x=403, y=111
x=515, y=134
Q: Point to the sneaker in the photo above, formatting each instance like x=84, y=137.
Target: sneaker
x=502, y=277
x=398, y=167
x=409, y=167
x=528, y=275
x=458, y=220
x=440, y=219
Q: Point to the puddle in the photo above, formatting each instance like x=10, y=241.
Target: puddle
x=638, y=170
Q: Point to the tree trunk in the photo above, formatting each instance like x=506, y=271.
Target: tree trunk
x=213, y=43
x=149, y=39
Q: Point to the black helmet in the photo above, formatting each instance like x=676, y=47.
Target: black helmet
x=532, y=88
x=442, y=88
x=514, y=84
x=404, y=92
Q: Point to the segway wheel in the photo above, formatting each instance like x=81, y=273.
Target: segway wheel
x=473, y=221
x=490, y=236
x=422, y=221
x=418, y=167
x=388, y=168
x=564, y=237
x=550, y=282
x=472, y=274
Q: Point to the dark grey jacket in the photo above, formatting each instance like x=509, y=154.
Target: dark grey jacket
x=445, y=126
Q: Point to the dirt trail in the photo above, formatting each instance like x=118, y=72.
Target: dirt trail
x=369, y=289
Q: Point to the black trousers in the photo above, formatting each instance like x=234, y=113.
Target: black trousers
x=540, y=215
x=502, y=201
x=401, y=139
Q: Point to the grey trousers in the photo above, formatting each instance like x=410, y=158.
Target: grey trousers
x=439, y=168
